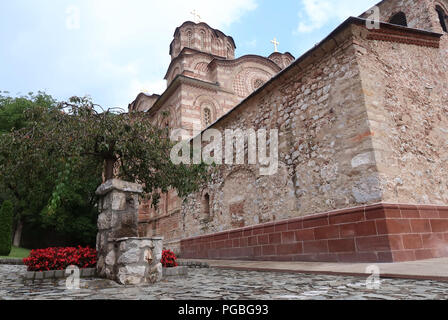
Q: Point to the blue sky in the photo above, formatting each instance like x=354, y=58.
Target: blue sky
x=114, y=49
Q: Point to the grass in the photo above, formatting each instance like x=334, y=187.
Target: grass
x=18, y=253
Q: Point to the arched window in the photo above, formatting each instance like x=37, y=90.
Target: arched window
x=207, y=117
x=443, y=18
x=399, y=19
x=206, y=206
x=229, y=52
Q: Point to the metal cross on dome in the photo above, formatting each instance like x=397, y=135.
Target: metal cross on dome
x=196, y=16
x=275, y=43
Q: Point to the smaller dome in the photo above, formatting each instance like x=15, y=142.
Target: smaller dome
x=283, y=60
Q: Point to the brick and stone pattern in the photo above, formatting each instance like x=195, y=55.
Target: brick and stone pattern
x=310, y=104
x=358, y=125
x=361, y=118
x=203, y=75
x=376, y=233
x=420, y=14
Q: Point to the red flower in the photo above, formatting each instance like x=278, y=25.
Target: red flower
x=168, y=259
x=60, y=258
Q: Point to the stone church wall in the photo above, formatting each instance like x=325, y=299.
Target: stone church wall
x=319, y=110
x=418, y=12
x=406, y=92
x=372, y=130
x=362, y=125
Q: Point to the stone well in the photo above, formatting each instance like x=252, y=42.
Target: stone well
x=135, y=260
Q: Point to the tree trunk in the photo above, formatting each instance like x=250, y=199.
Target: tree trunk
x=109, y=170
x=18, y=234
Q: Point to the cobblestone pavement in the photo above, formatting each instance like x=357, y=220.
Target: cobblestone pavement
x=216, y=284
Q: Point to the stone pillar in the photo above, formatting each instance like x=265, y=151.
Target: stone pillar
x=121, y=255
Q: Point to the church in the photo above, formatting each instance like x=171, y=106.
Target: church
x=363, y=126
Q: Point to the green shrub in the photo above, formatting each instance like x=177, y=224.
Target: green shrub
x=6, y=216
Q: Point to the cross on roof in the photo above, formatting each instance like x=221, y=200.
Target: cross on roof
x=275, y=43
x=196, y=16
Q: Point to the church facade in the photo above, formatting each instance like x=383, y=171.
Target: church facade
x=363, y=126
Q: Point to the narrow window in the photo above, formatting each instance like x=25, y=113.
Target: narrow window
x=399, y=19
x=206, y=206
x=443, y=18
x=207, y=117
x=190, y=39
x=203, y=41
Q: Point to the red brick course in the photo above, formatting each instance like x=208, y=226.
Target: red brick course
x=376, y=233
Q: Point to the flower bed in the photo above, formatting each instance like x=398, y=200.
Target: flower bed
x=60, y=258
x=169, y=259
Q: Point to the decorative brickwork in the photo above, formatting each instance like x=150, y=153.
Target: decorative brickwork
x=400, y=36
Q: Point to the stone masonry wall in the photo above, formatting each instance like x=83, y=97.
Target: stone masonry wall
x=406, y=92
x=399, y=158
x=318, y=106
x=418, y=12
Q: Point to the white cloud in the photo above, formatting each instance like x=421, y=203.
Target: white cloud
x=317, y=13
x=109, y=49
x=147, y=27
x=155, y=21
x=148, y=87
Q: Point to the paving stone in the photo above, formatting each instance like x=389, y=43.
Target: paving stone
x=204, y=284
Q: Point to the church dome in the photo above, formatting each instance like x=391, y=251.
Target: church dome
x=201, y=37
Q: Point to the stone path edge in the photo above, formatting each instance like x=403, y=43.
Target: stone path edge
x=57, y=274
x=335, y=273
x=12, y=261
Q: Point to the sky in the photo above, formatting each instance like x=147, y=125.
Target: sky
x=112, y=50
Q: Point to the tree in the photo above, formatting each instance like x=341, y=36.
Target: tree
x=79, y=136
x=12, y=110
x=6, y=216
x=30, y=178
x=130, y=147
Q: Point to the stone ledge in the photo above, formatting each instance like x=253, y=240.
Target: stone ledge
x=115, y=184
x=136, y=238
x=193, y=264
x=177, y=271
x=380, y=233
x=12, y=261
x=57, y=274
